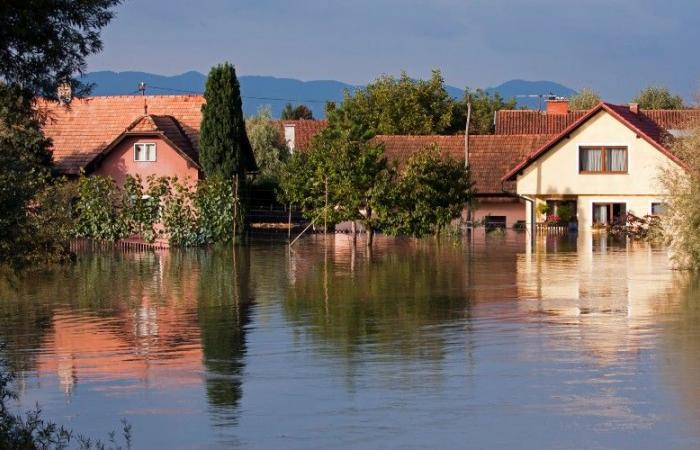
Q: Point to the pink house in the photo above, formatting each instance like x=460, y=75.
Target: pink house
x=118, y=136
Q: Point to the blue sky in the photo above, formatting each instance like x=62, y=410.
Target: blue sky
x=615, y=46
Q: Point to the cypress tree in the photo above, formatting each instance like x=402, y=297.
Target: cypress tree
x=223, y=140
x=224, y=149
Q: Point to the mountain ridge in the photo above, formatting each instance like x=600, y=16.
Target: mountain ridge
x=259, y=90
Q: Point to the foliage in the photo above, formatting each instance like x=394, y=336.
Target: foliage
x=584, y=99
x=349, y=170
x=399, y=106
x=26, y=163
x=269, y=148
x=484, y=107
x=657, y=97
x=213, y=203
x=543, y=209
x=98, y=210
x=565, y=212
x=31, y=431
x=296, y=113
x=43, y=43
x=430, y=192
x=52, y=221
x=681, y=222
x=223, y=141
x=141, y=207
x=553, y=218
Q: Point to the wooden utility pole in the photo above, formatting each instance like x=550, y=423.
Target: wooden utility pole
x=325, y=210
x=466, y=151
x=235, y=206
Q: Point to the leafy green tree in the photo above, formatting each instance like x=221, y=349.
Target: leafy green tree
x=268, y=145
x=484, y=107
x=296, y=113
x=430, y=192
x=43, y=43
x=400, y=106
x=26, y=161
x=584, y=99
x=656, y=97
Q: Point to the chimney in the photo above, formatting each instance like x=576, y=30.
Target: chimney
x=557, y=105
x=64, y=92
x=290, y=135
x=634, y=108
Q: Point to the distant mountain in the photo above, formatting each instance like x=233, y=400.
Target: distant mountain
x=529, y=93
x=276, y=92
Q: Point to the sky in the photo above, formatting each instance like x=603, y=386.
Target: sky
x=615, y=47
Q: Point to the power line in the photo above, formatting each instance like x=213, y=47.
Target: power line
x=282, y=99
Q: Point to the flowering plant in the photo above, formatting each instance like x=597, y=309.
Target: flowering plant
x=553, y=218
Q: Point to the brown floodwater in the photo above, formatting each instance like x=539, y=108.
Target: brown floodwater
x=581, y=342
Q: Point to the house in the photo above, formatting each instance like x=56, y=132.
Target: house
x=298, y=134
x=490, y=157
x=118, y=136
x=602, y=163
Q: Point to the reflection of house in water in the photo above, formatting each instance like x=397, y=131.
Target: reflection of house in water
x=604, y=293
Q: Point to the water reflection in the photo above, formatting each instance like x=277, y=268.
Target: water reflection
x=331, y=344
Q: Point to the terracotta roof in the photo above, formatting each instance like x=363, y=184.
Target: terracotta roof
x=83, y=129
x=304, y=131
x=490, y=156
x=638, y=123
x=538, y=122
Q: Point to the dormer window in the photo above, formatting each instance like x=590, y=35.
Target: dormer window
x=144, y=152
x=603, y=159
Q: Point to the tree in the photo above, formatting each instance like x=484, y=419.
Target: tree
x=656, y=97
x=300, y=112
x=44, y=43
x=41, y=45
x=268, y=145
x=585, y=99
x=681, y=222
x=484, y=107
x=400, y=106
x=338, y=179
x=429, y=194
x=26, y=161
x=224, y=148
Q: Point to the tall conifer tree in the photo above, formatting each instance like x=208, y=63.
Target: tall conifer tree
x=223, y=141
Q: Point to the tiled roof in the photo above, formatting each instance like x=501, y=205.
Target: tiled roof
x=304, y=131
x=81, y=130
x=537, y=122
x=167, y=127
x=490, y=156
x=640, y=124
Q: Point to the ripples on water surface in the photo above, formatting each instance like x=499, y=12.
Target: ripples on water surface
x=581, y=343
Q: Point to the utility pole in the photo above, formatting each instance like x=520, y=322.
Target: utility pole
x=466, y=151
x=142, y=90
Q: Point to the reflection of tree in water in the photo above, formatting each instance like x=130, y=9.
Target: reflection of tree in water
x=681, y=349
x=224, y=309
x=387, y=301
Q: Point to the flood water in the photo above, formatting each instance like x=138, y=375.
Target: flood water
x=582, y=342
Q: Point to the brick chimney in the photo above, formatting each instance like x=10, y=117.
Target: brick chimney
x=64, y=92
x=557, y=105
x=634, y=108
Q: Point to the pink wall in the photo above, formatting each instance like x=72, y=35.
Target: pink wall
x=169, y=163
x=514, y=210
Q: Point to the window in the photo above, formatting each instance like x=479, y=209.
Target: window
x=144, y=152
x=658, y=209
x=609, y=213
x=493, y=222
x=603, y=160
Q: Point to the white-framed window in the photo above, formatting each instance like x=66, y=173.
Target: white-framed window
x=145, y=151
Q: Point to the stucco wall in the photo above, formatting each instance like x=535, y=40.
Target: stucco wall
x=557, y=172
x=514, y=210
x=120, y=162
